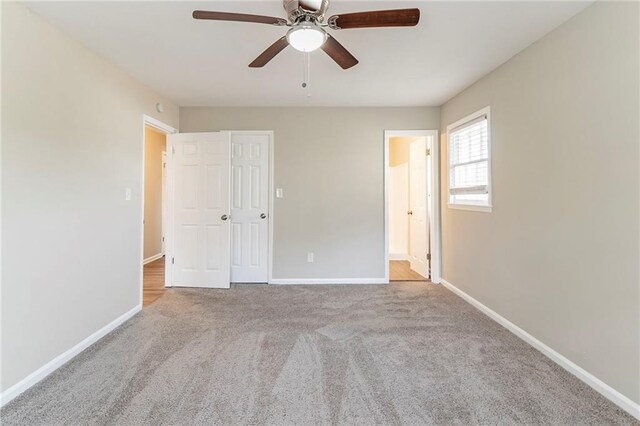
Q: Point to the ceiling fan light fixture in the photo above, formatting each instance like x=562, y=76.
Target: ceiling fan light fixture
x=306, y=37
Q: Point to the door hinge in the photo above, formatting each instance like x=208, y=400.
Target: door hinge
x=163, y=239
x=428, y=151
x=173, y=149
x=428, y=256
x=173, y=260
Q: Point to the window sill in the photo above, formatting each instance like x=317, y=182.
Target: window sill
x=471, y=207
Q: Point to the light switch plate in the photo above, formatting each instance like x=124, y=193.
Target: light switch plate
x=127, y=194
x=310, y=257
x=279, y=193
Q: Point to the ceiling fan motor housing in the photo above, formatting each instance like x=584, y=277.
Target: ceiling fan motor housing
x=298, y=10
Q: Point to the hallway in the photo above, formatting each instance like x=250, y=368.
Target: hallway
x=153, y=282
x=400, y=270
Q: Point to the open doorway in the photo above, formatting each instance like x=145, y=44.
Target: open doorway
x=155, y=147
x=155, y=204
x=410, y=183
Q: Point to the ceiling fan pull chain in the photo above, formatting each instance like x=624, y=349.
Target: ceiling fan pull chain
x=308, y=68
x=306, y=73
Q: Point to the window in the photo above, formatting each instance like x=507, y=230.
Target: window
x=470, y=163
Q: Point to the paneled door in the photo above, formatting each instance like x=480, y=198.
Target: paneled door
x=250, y=207
x=418, y=214
x=200, y=211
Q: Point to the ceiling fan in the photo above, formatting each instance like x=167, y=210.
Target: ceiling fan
x=307, y=27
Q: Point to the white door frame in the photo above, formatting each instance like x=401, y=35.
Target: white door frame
x=271, y=192
x=161, y=127
x=164, y=199
x=434, y=219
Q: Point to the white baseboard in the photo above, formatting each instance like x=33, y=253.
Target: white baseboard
x=63, y=358
x=601, y=387
x=152, y=258
x=398, y=256
x=328, y=281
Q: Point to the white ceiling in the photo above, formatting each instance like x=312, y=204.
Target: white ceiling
x=198, y=63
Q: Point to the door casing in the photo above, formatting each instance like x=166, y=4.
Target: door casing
x=164, y=198
x=161, y=127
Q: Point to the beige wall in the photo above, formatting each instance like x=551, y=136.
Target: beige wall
x=155, y=144
x=559, y=254
x=329, y=161
x=399, y=149
x=71, y=143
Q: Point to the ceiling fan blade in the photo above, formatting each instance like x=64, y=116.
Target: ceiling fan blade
x=338, y=53
x=374, y=19
x=238, y=17
x=270, y=53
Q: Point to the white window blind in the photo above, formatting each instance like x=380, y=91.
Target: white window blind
x=469, y=162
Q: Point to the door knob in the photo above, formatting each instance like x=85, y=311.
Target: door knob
x=410, y=212
x=224, y=217
x=263, y=216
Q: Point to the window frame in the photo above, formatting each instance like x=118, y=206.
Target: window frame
x=488, y=207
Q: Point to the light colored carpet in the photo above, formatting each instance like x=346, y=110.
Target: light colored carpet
x=406, y=353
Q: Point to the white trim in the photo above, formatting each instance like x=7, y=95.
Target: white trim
x=287, y=281
x=601, y=387
x=152, y=258
x=434, y=219
x=158, y=125
x=398, y=256
x=163, y=204
x=436, y=227
x=63, y=358
x=168, y=233
x=486, y=111
x=272, y=210
x=468, y=121
x=472, y=207
x=385, y=200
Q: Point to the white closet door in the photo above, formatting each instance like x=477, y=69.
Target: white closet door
x=419, y=222
x=200, y=209
x=250, y=207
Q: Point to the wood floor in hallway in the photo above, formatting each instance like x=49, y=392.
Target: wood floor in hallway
x=400, y=270
x=153, y=282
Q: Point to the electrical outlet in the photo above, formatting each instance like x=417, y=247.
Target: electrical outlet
x=279, y=193
x=310, y=257
x=127, y=194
